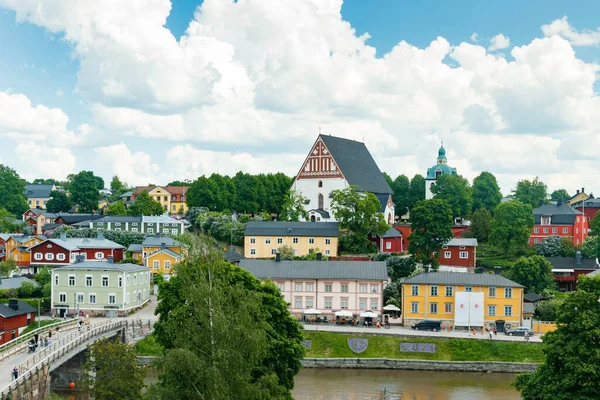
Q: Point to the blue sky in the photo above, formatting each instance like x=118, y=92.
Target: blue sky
x=37, y=61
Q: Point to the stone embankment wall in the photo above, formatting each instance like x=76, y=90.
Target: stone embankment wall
x=424, y=365
x=37, y=387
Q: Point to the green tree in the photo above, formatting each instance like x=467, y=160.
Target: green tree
x=560, y=195
x=185, y=182
x=486, y=192
x=99, y=182
x=401, y=195
x=7, y=267
x=206, y=311
x=400, y=267
x=590, y=247
x=144, y=205
x=572, y=360
x=293, y=207
x=26, y=290
x=59, y=202
x=112, y=371
x=250, y=193
x=42, y=181
x=546, y=310
x=84, y=191
x=534, y=193
x=203, y=193
x=417, y=190
x=117, y=188
x=391, y=294
x=118, y=209
x=567, y=248
x=457, y=193
x=43, y=276
x=595, y=225
x=511, y=225
x=9, y=222
x=535, y=273
x=12, y=191
x=431, y=228
x=481, y=222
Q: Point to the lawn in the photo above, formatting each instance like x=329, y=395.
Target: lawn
x=34, y=326
x=333, y=345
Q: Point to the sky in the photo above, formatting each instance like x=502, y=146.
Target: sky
x=155, y=91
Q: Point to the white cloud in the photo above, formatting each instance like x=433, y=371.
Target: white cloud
x=44, y=161
x=562, y=28
x=135, y=168
x=499, y=42
x=59, y=92
x=474, y=37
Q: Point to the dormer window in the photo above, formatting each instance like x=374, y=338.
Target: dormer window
x=545, y=220
x=438, y=173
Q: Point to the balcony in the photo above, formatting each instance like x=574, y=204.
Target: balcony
x=565, y=278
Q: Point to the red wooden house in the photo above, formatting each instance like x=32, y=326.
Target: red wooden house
x=14, y=316
x=589, y=207
x=459, y=252
x=566, y=270
x=559, y=220
x=390, y=242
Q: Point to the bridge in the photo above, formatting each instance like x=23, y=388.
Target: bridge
x=33, y=381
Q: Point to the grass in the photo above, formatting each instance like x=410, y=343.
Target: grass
x=34, y=326
x=334, y=345
x=148, y=346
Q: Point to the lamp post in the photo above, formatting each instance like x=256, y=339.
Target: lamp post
x=39, y=309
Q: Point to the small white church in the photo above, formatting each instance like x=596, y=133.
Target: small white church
x=337, y=163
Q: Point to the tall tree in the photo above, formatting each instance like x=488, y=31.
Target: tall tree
x=12, y=191
x=59, y=202
x=145, y=205
x=486, y=192
x=481, y=222
x=224, y=192
x=9, y=222
x=511, y=225
x=206, y=311
x=293, y=207
x=572, y=360
x=535, y=273
x=358, y=212
x=43, y=181
x=456, y=191
x=431, y=227
x=560, y=195
x=204, y=192
x=595, y=225
x=185, y=182
x=388, y=178
x=117, y=187
x=250, y=192
x=112, y=371
x=99, y=182
x=84, y=191
x=534, y=193
x=401, y=196
x=117, y=209
x=417, y=190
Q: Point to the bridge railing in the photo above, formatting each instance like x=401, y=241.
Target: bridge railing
x=20, y=343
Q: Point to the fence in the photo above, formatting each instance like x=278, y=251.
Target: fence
x=543, y=326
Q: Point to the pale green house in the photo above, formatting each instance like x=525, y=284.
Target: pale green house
x=99, y=288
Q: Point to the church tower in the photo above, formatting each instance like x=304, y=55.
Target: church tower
x=433, y=173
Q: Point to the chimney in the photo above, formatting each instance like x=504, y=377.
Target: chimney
x=14, y=304
x=559, y=202
x=319, y=256
x=578, y=257
x=100, y=236
x=63, y=236
x=163, y=246
x=582, y=190
x=110, y=259
x=277, y=257
x=79, y=258
x=577, y=191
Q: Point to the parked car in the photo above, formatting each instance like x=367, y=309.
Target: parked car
x=520, y=331
x=427, y=325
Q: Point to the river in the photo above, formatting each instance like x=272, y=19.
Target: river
x=352, y=384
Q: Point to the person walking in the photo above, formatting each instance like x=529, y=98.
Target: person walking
x=495, y=331
x=15, y=373
x=526, y=336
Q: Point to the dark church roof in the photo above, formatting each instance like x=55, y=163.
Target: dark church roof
x=356, y=163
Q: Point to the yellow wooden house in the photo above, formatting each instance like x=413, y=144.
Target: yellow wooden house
x=162, y=261
x=17, y=248
x=433, y=296
x=159, y=253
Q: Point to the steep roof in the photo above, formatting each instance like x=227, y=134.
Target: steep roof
x=284, y=228
x=38, y=191
x=392, y=233
x=462, y=242
x=299, y=269
x=571, y=263
x=356, y=163
x=169, y=252
x=135, y=247
x=592, y=203
x=23, y=308
x=560, y=214
x=102, y=266
x=59, y=242
x=232, y=256
x=445, y=168
x=533, y=297
x=457, y=278
x=177, y=190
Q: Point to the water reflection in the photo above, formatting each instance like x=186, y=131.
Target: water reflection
x=338, y=384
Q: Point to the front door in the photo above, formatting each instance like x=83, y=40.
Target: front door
x=527, y=322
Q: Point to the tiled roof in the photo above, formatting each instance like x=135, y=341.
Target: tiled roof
x=298, y=269
x=462, y=242
x=356, y=164
x=284, y=228
x=459, y=278
x=103, y=265
x=560, y=215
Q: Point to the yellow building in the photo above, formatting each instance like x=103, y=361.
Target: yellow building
x=158, y=253
x=162, y=261
x=171, y=198
x=38, y=195
x=17, y=248
x=433, y=296
x=577, y=197
x=263, y=239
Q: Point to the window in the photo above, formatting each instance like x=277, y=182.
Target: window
x=273, y=251
x=281, y=286
x=449, y=290
x=135, y=279
x=297, y=302
x=134, y=229
x=492, y=311
x=328, y=302
x=468, y=289
x=120, y=281
x=165, y=231
x=105, y=281
x=388, y=245
x=295, y=252
x=253, y=252
x=554, y=230
x=252, y=240
x=320, y=184
x=100, y=223
x=433, y=308
x=434, y=291
x=56, y=280
x=311, y=240
x=545, y=220
x=492, y=292
x=327, y=252
x=309, y=287
x=362, y=304
x=117, y=229
x=309, y=302
x=60, y=257
x=134, y=223
x=464, y=254
x=576, y=230
x=565, y=230
x=92, y=298
x=362, y=288
x=374, y=304
x=80, y=298
x=156, y=264
x=344, y=288
x=167, y=264
x=279, y=240
x=344, y=303
x=295, y=240
x=462, y=247
x=545, y=230
x=414, y=290
x=328, y=287
x=298, y=287
x=267, y=240
x=536, y=230
x=327, y=241
x=89, y=281
x=62, y=297
x=128, y=280
x=38, y=256
x=150, y=230
x=117, y=224
x=447, y=254
x=71, y=280
x=112, y=298
x=414, y=307
x=536, y=240
x=508, y=293
x=508, y=311
x=373, y=288
x=448, y=308
x=49, y=256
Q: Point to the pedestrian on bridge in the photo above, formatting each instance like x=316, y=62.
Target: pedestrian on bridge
x=15, y=373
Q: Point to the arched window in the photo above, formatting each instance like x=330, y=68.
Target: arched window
x=320, y=201
x=320, y=184
x=438, y=173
